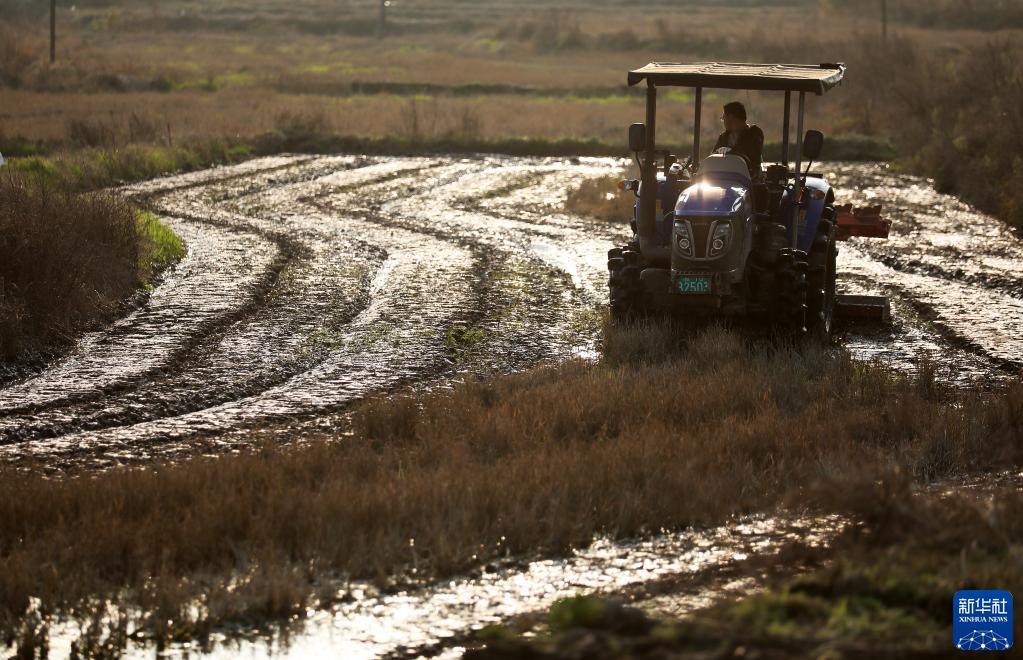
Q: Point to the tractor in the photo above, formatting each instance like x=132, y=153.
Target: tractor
x=714, y=238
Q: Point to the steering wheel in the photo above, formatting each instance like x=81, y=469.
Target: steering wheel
x=729, y=151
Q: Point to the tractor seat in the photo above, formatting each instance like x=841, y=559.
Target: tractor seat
x=725, y=166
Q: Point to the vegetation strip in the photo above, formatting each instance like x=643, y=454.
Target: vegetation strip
x=71, y=261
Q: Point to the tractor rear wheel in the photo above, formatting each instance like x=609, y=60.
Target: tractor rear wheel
x=820, y=295
x=790, y=292
x=628, y=294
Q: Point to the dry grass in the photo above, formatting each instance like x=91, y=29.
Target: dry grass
x=160, y=76
x=68, y=260
x=659, y=435
x=601, y=199
x=181, y=118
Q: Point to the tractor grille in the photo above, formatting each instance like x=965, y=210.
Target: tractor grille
x=701, y=232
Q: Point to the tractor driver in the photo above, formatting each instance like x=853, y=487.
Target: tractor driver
x=741, y=138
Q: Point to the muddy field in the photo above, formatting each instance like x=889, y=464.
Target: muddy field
x=313, y=281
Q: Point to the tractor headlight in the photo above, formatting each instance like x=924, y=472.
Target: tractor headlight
x=682, y=239
x=721, y=238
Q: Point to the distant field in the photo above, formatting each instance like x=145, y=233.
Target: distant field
x=441, y=72
x=158, y=72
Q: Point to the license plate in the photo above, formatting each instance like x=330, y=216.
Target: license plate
x=694, y=284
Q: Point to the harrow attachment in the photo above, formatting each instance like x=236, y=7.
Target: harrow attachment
x=865, y=222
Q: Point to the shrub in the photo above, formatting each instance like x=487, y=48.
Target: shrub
x=91, y=133
x=68, y=261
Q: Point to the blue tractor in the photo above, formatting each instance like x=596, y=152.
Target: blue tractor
x=713, y=237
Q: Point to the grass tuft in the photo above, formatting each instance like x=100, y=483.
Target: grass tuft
x=161, y=247
x=600, y=199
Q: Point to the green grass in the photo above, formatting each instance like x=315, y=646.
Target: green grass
x=794, y=613
x=583, y=611
x=460, y=340
x=160, y=247
x=92, y=169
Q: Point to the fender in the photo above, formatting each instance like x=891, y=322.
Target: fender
x=668, y=191
x=819, y=194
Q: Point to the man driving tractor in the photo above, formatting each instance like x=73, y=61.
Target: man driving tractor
x=710, y=240
x=741, y=138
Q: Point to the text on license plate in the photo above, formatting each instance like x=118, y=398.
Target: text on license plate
x=693, y=284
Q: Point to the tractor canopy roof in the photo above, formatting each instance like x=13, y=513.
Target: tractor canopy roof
x=813, y=78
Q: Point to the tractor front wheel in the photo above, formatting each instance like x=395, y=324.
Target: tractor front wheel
x=627, y=291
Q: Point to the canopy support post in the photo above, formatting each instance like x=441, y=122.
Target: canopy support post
x=797, y=190
x=697, y=115
x=648, y=206
x=785, y=129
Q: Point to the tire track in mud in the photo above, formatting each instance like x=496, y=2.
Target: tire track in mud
x=296, y=312
x=223, y=256
x=405, y=285
x=236, y=263
x=955, y=277
x=312, y=282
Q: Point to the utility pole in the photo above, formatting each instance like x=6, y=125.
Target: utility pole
x=53, y=31
x=382, y=26
x=884, y=22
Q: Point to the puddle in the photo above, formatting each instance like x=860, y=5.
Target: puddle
x=955, y=277
x=372, y=625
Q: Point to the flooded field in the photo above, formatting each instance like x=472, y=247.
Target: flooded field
x=311, y=282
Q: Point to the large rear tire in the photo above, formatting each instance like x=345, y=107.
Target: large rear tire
x=820, y=296
x=790, y=293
